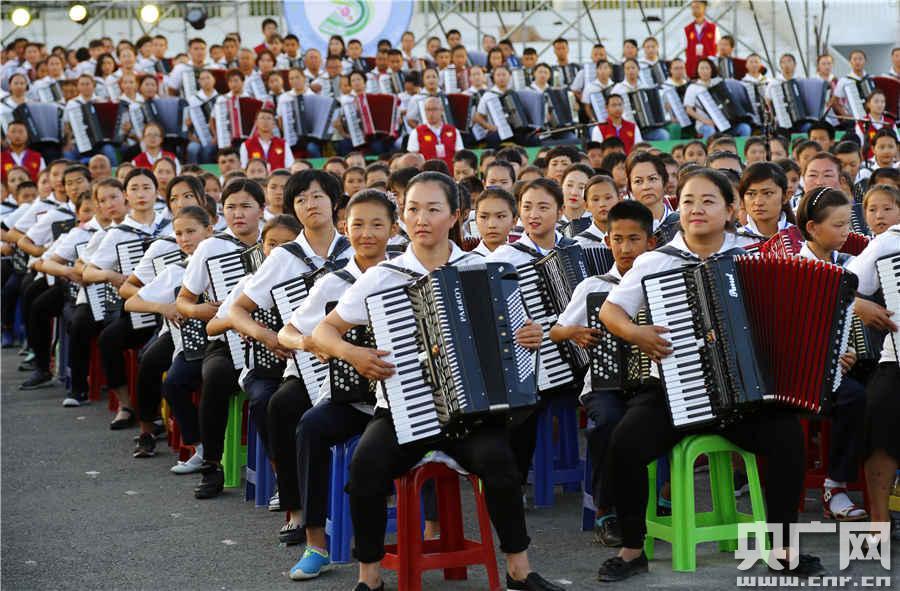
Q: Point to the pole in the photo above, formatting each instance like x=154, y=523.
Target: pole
x=644, y=16
x=440, y=22
x=762, y=39
x=623, y=16
x=499, y=18
x=790, y=14
x=591, y=18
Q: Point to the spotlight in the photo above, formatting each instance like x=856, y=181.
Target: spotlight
x=78, y=13
x=20, y=17
x=196, y=17
x=150, y=13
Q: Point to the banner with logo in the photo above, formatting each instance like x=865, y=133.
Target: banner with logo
x=314, y=21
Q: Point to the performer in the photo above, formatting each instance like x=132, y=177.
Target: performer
x=765, y=198
x=264, y=144
x=495, y=216
x=434, y=138
x=18, y=153
x=431, y=211
x=875, y=120
x=616, y=125
x=601, y=196
x=630, y=235
x=645, y=432
x=701, y=38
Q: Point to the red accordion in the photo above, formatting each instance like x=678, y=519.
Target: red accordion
x=379, y=114
x=460, y=107
x=788, y=242
x=799, y=311
x=855, y=244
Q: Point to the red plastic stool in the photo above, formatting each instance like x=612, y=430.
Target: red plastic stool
x=452, y=552
x=817, y=462
x=96, y=377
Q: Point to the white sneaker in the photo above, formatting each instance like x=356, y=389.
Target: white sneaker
x=189, y=467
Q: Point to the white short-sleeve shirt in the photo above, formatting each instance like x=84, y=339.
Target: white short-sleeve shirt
x=886, y=243
x=196, y=277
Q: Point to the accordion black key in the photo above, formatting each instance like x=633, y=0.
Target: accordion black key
x=598, y=259
x=44, y=122
x=889, y=275
x=348, y=385
x=647, y=106
x=429, y=327
x=615, y=364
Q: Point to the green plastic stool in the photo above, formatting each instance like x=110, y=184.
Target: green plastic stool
x=685, y=528
x=234, y=456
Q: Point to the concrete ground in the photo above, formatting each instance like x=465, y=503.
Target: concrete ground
x=79, y=513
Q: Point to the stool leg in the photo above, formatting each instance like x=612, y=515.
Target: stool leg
x=684, y=548
x=651, y=510
x=721, y=482
x=588, y=511
x=543, y=461
x=409, y=535
x=450, y=512
x=251, y=485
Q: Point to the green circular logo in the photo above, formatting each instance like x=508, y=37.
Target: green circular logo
x=348, y=18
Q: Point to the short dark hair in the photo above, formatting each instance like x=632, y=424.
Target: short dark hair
x=714, y=176
x=399, y=179
x=885, y=174
x=194, y=182
x=78, y=169
x=198, y=214
x=135, y=172
x=468, y=156
x=846, y=146
x=648, y=158
x=510, y=155
x=436, y=165
x=504, y=164
x=447, y=184
x=753, y=141
x=548, y=185
x=269, y=21
x=497, y=193
x=243, y=184
x=762, y=171
x=824, y=125
x=301, y=181
x=634, y=210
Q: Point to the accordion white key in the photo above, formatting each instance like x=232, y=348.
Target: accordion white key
x=223, y=123
x=779, y=103
x=451, y=82
x=200, y=124
x=855, y=100
x=598, y=104
x=353, y=123
x=497, y=115
x=712, y=109
x=675, y=106
x=79, y=126
x=288, y=296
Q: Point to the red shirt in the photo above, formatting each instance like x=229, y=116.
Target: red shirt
x=31, y=161
x=707, y=40
x=275, y=155
x=142, y=160
x=625, y=132
x=428, y=143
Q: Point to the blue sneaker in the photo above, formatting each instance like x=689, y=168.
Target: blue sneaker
x=313, y=563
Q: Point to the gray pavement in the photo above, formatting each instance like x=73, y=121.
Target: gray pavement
x=79, y=513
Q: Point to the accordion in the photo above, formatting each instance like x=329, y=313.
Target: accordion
x=786, y=243
x=651, y=75
x=515, y=109
x=169, y=113
x=741, y=334
x=94, y=124
x=647, y=107
x=447, y=372
x=288, y=296
x=225, y=272
x=573, y=228
x=547, y=286
x=44, y=122
x=712, y=108
x=497, y=115
x=857, y=91
x=200, y=114
x=598, y=259
x=61, y=227
x=889, y=275
x=348, y=385
x=379, y=114
x=858, y=220
x=48, y=93
x=308, y=117
x=855, y=243
x=615, y=364
x=729, y=101
x=235, y=119
x=460, y=109
x=673, y=102
x=561, y=108
x=129, y=254
x=790, y=104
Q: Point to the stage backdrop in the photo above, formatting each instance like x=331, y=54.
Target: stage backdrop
x=314, y=21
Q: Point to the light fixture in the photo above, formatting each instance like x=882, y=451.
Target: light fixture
x=78, y=13
x=20, y=17
x=196, y=17
x=149, y=13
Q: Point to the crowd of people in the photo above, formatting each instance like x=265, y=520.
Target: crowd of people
x=355, y=225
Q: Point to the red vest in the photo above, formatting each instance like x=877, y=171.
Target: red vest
x=428, y=142
x=865, y=129
x=707, y=40
x=624, y=133
x=142, y=161
x=275, y=157
x=30, y=162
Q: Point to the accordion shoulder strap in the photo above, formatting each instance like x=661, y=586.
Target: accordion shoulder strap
x=590, y=236
x=564, y=242
x=132, y=230
x=167, y=239
x=295, y=249
x=526, y=249
x=610, y=278
x=402, y=270
x=345, y=275
x=677, y=252
x=842, y=258
x=65, y=210
x=228, y=238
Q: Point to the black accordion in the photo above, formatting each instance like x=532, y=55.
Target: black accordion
x=62, y=227
x=309, y=117
x=730, y=102
x=547, y=286
x=742, y=333
x=348, y=385
x=561, y=108
x=647, y=107
x=43, y=121
x=615, y=364
x=453, y=348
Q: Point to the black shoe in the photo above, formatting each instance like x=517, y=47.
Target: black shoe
x=125, y=423
x=39, y=378
x=533, y=582
x=617, y=569
x=293, y=536
x=28, y=365
x=364, y=587
x=146, y=446
x=807, y=566
x=212, y=482
x=607, y=532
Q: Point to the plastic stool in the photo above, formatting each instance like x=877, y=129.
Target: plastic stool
x=234, y=455
x=19, y=333
x=339, y=525
x=452, y=552
x=556, y=462
x=260, y=479
x=588, y=510
x=686, y=528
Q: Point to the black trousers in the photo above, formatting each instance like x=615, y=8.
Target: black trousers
x=82, y=329
x=379, y=459
x=605, y=409
x=220, y=383
x=324, y=425
x=182, y=380
x=47, y=306
x=645, y=433
x=259, y=392
x=32, y=287
x=847, y=438
x=115, y=337
x=154, y=361
x=12, y=284
x=287, y=405
x=883, y=411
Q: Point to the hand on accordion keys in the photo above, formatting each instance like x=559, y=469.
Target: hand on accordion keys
x=529, y=335
x=874, y=315
x=649, y=340
x=847, y=360
x=171, y=313
x=269, y=338
x=369, y=363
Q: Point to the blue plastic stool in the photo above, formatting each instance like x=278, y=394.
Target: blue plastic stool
x=557, y=463
x=588, y=510
x=260, y=478
x=19, y=333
